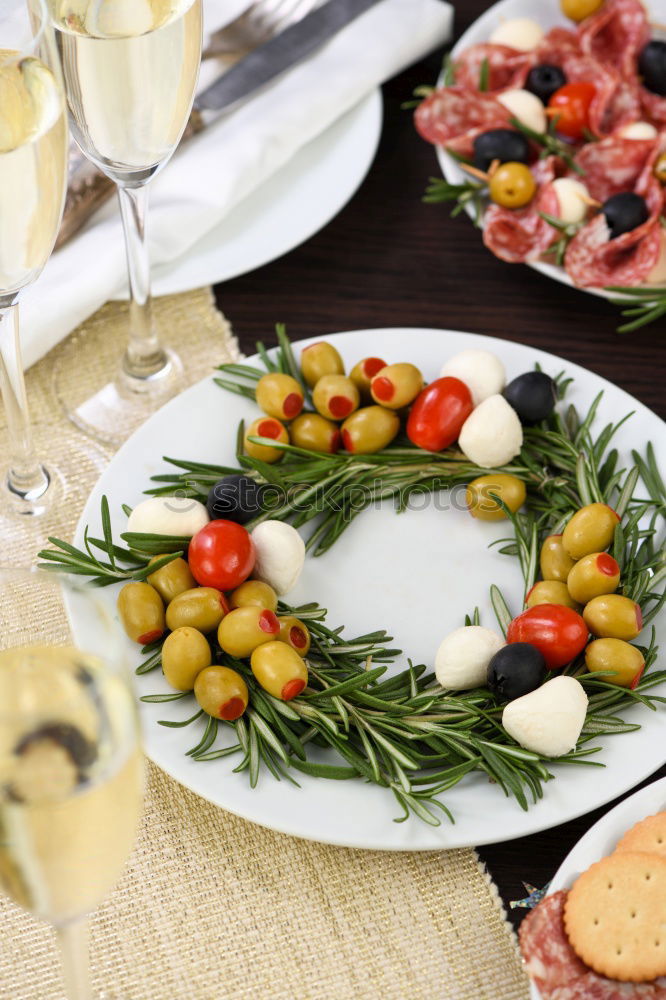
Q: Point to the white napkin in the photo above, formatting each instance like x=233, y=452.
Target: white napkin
x=213, y=171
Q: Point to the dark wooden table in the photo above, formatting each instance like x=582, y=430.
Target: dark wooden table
x=389, y=260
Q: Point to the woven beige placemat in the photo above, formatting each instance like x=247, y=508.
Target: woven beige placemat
x=213, y=907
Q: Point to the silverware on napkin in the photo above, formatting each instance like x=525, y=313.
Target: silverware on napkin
x=89, y=188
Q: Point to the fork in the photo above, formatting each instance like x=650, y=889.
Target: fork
x=260, y=22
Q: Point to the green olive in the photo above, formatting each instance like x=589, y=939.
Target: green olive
x=480, y=492
x=142, y=612
x=316, y=433
x=621, y=657
x=318, y=360
x=279, y=670
x=295, y=634
x=591, y=529
x=185, y=653
x=335, y=397
x=369, y=430
x=172, y=579
x=254, y=594
x=512, y=185
x=202, y=608
x=396, y=385
x=612, y=616
x=363, y=373
x=221, y=692
x=550, y=592
x=578, y=10
x=243, y=629
x=659, y=169
x=279, y=396
x=556, y=564
x=266, y=427
x=593, y=575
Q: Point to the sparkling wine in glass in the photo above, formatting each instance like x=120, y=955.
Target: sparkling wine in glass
x=33, y=175
x=71, y=767
x=130, y=69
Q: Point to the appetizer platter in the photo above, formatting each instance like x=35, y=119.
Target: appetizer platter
x=636, y=828
x=496, y=654
x=550, y=126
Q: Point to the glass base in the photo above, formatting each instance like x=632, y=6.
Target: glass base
x=99, y=396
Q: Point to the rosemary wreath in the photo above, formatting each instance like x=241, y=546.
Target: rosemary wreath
x=402, y=730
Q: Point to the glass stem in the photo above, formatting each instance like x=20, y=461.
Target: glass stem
x=144, y=357
x=73, y=941
x=26, y=478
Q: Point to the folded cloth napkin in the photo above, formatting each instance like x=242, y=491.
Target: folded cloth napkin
x=212, y=172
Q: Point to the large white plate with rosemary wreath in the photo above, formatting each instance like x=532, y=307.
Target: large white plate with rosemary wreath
x=417, y=575
x=549, y=15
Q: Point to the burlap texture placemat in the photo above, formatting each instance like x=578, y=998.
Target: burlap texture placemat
x=213, y=907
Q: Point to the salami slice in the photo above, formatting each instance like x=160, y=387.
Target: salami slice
x=605, y=116
x=616, y=34
x=556, y=45
x=519, y=235
x=613, y=164
x=507, y=67
x=454, y=117
x=654, y=107
x=549, y=958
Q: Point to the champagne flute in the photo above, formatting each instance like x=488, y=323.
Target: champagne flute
x=71, y=767
x=130, y=69
x=33, y=173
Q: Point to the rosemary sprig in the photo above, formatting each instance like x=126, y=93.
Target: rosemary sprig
x=641, y=306
x=550, y=144
x=567, y=231
x=484, y=75
x=464, y=194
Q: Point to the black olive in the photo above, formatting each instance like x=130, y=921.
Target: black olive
x=652, y=67
x=236, y=498
x=503, y=144
x=516, y=670
x=624, y=212
x=532, y=395
x=544, y=80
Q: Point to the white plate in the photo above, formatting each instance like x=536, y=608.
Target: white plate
x=548, y=15
x=417, y=577
x=600, y=839
x=297, y=201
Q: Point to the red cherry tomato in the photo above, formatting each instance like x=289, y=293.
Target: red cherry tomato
x=572, y=104
x=559, y=632
x=438, y=413
x=221, y=555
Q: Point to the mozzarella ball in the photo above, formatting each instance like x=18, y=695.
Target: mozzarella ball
x=168, y=516
x=526, y=107
x=571, y=195
x=463, y=657
x=482, y=372
x=638, y=130
x=549, y=720
x=280, y=555
x=492, y=434
x=520, y=33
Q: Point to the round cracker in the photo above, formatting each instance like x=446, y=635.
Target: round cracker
x=648, y=835
x=615, y=916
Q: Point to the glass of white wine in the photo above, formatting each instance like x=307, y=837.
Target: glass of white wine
x=130, y=69
x=33, y=177
x=71, y=766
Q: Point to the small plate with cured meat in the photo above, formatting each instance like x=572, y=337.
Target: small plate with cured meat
x=550, y=126
x=605, y=909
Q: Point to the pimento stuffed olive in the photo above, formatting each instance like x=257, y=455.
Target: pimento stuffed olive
x=396, y=385
x=612, y=616
x=318, y=360
x=550, y=592
x=265, y=427
x=624, y=662
x=481, y=493
x=595, y=574
x=363, y=373
x=369, y=429
x=279, y=670
x=279, y=396
x=554, y=561
x=254, y=594
x=171, y=580
x=202, y=608
x=295, y=634
x=185, y=653
x=243, y=629
x=221, y=692
x=335, y=397
x=316, y=433
x=590, y=529
x=142, y=613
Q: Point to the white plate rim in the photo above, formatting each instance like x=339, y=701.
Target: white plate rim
x=423, y=840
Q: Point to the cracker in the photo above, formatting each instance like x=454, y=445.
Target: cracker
x=649, y=835
x=615, y=916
